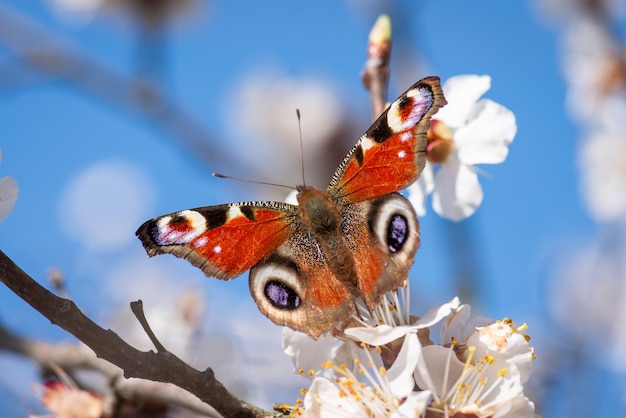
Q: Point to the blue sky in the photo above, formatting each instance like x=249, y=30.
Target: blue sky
x=74, y=154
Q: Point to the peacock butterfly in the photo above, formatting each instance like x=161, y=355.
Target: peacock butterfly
x=310, y=263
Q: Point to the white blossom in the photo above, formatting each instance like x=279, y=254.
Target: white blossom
x=465, y=132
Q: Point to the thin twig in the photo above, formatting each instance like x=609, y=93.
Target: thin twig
x=137, y=308
x=375, y=75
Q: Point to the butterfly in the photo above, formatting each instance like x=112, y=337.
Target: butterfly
x=311, y=263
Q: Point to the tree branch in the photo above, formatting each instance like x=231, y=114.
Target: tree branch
x=160, y=367
x=375, y=75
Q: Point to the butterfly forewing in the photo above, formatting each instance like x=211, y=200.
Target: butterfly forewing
x=224, y=240
x=392, y=153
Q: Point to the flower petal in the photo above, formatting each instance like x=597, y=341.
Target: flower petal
x=413, y=406
x=424, y=186
x=383, y=334
x=324, y=399
x=456, y=325
x=462, y=92
x=305, y=352
x=377, y=336
x=439, y=371
x=487, y=135
x=437, y=313
x=518, y=407
x=400, y=374
x=457, y=192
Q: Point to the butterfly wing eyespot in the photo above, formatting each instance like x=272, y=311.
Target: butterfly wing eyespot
x=394, y=224
x=383, y=234
x=392, y=153
x=225, y=240
x=295, y=287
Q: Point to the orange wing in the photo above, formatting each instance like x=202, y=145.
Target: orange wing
x=392, y=153
x=225, y=240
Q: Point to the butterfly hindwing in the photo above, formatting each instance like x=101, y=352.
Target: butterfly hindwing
x=385, y=243
x=392, y=152
x=224, y=240
x=295, y=287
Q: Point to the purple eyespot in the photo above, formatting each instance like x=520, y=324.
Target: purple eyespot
x=397, y=231
x=281, y=296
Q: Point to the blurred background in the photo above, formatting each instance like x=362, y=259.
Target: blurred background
x=113, y=112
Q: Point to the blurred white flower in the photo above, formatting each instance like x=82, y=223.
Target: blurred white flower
x=602, y=162
x=465, y=132
x=77, y=10
x=154, y=11
x=66, y=400
x=594, y=66
x=267, y=125
x=565, y=11
x=102, y=206
x=8, y=194
x=587, y=297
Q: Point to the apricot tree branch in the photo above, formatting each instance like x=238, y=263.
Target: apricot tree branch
x=160, y=367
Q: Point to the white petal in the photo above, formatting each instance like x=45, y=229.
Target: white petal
x=601, y=162
x=486, y=137
x=424, y=186
x=413, y=406
x=383, y=334
x=305, y=352
x=457, y=192
x=323, y=399
x=377, y=336
x=462, y=92
x=456, y=325
x=518, y=407
x=8, y=196
x=437, y=313
x=440, y=370
x=400, y=374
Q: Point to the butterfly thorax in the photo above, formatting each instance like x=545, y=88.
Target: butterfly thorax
x=318, y=211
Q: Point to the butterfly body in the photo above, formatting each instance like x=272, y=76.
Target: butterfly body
x=311, y=263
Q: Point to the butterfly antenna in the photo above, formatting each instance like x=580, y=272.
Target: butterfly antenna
x=301, y=146
x=266, y=183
